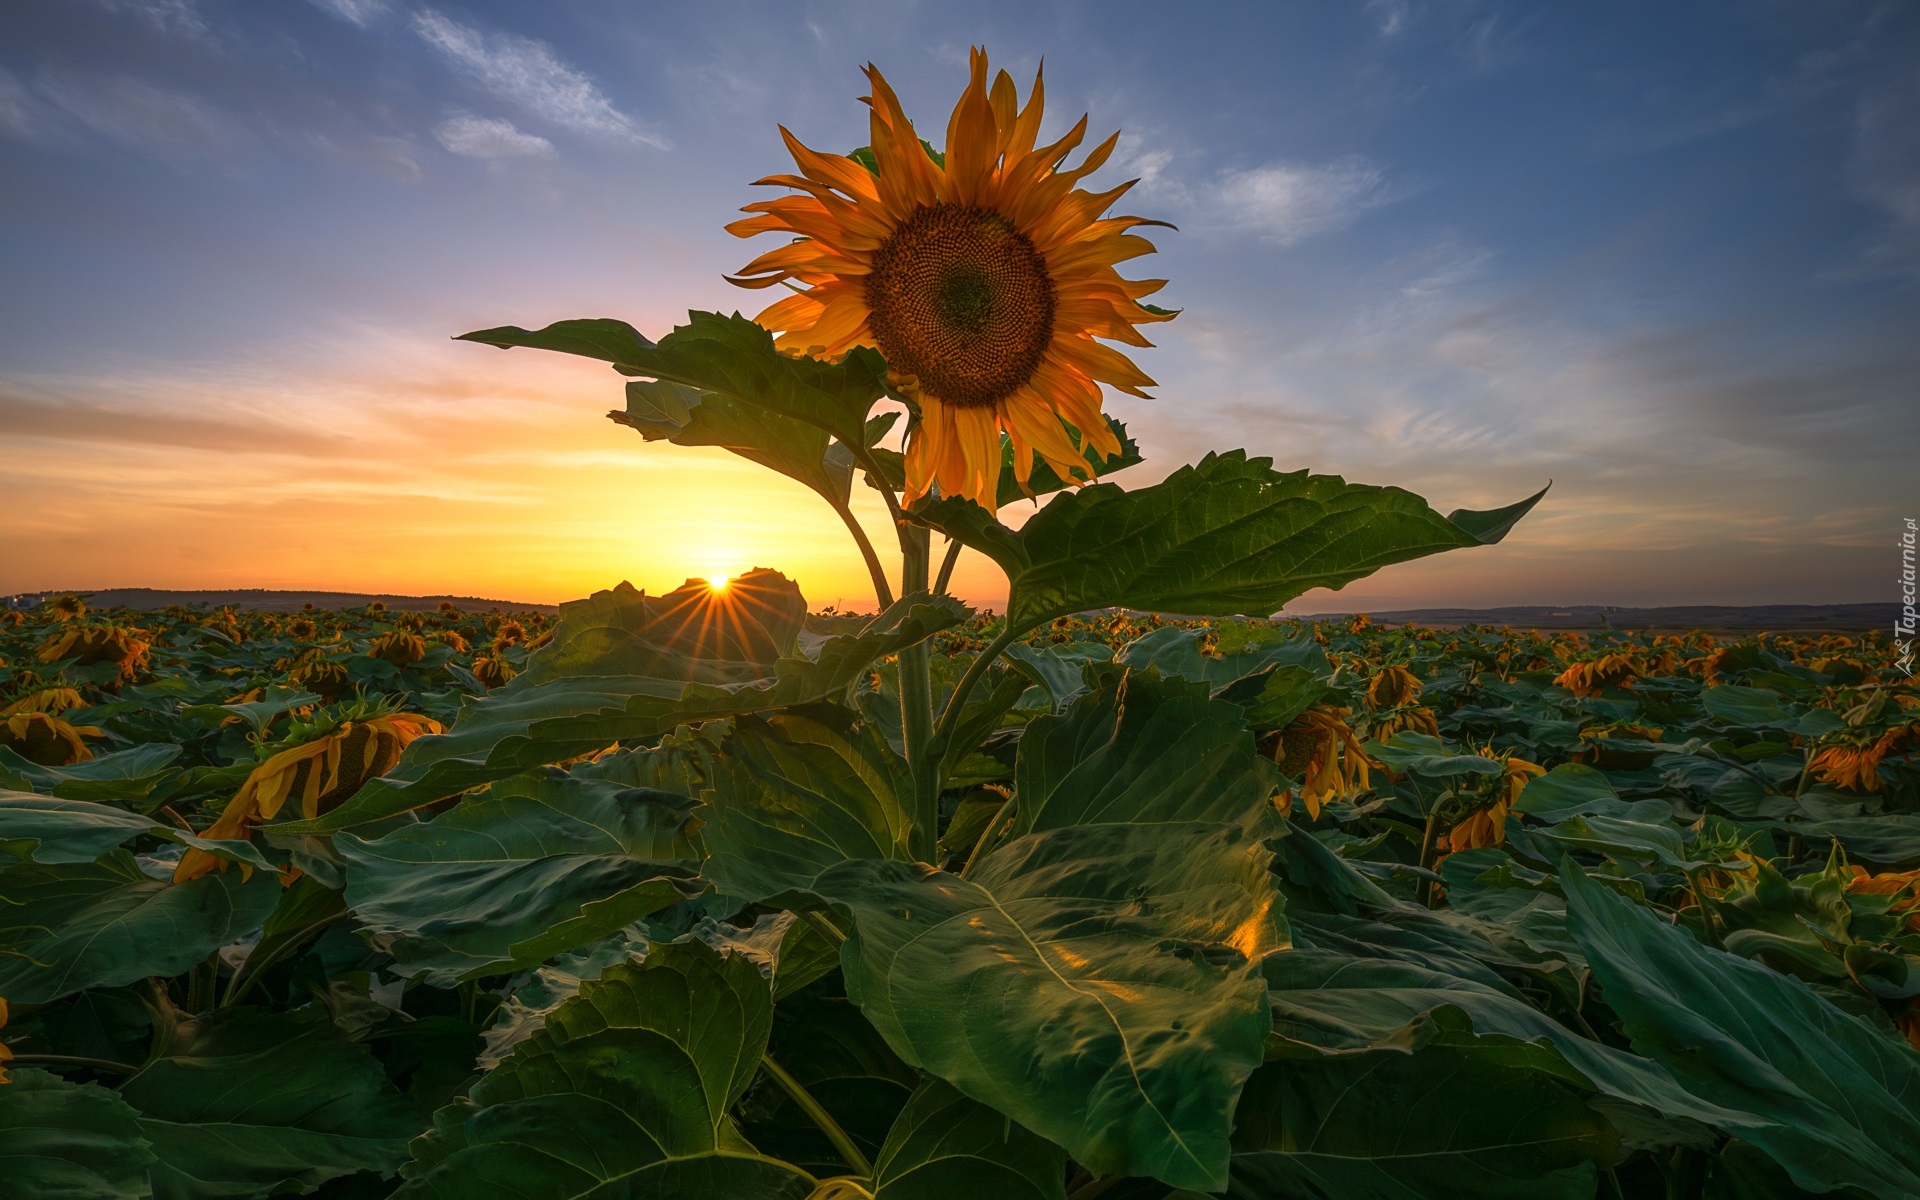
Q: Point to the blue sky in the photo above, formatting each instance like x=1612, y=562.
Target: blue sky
x=1663, y=255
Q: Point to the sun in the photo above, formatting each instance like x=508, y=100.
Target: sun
x=718, y=583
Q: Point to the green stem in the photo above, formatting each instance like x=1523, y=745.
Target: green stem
x=946, y=566
x=825, y=928
x=950, y=719
x=916, y=703
x=980, y=843
x=1706, y=912
x=882, y=591
x=1094, y=1187
x=75, y=1060
x=819, y=1116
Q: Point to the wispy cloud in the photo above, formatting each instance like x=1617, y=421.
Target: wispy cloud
x=166, y=124
x=1886, y=169
x=1283, y=203
x=362, y=13
x=16, y=107
x=179, y=18
x=528, y=73
x=484, y=137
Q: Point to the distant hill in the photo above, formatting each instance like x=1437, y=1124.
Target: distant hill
x=262, y=600
x=1731, y=618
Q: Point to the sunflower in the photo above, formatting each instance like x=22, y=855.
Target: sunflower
x=1592, y=677
x=1852, y=759
x=1320, y=748
x=321, y=773
x=983, y=275
x=1488, y=826
x=47, y=740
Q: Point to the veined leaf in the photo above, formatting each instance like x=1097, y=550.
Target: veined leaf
x=552, y=713
x=1424, y=754
x=1226, y=535
x=1175, y=651
x=1098, y=984
x=796, y=796
x=625, y=1092
x=538, y=865
x=1837, y=1101
x=1138, y=750
x=728, y=355
x=843, y=1062
x=1439, y=1123
x=76, y=1141
x=45, y=829
x=100, y=924
x=249, y=1103
x=687, y=416
x=125, y=775
x=944, y=1146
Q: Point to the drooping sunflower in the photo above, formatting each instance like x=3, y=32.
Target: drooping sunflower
x=983, y=275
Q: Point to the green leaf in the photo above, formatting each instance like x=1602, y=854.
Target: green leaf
x=1046, y=480
x=796, y=796
x=74, y=1141
x=1747, y=707
x=1339, y=1001
x=258, y=714
x=1175, y=651
x=1440, y=1123
x=1059, y=669
x=126, y=775
x=1139, y=749
x=1227, y=535
x=731, y=356
x=46, y=829
x=1097, y=984
x=539, y=864
x=588, y=698
x=75, y=926
x=625, y=1093
x=1838, y=1101
x=945, y=1146
x=688, y=416
x=246, y=1103
x=1408, y=752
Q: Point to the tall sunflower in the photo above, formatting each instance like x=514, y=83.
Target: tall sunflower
x=983, y=274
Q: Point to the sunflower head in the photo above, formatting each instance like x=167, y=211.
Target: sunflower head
x=984, y=274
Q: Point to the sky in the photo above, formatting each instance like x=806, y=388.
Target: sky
x=1665, y=256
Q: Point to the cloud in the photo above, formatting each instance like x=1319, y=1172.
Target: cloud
x=16, y=107
x=483, y=137
x=1285, y=203
x=166, y=124
x=180, y=18
x=356, y=12
x=1885, y=169
x=528, y=73
x=1389, y=16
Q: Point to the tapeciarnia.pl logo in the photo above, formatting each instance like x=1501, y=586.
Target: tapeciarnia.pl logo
x=1903, y=625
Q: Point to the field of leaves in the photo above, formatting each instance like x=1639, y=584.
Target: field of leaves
x=1480, y=913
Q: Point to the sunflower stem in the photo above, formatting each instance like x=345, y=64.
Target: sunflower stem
x=976, y=670
x=916, y=701
x=882, y=591
x=819, y=1116
x=946, y=566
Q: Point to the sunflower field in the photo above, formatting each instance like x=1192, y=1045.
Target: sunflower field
x=1128, y=891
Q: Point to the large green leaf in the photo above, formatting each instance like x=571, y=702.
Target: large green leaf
x=588, y=698
x=1441, y=1123
x=247, y=1103
x=1139, y=749
x=69, y=1140
x=945, y=1146
x=1098, y=984
x=1340, y=1001
x=1175, y=650
x=625, y=1093
x=46, y=829
x=1838, y=1101
x=731, y=356
x=125, y=775
x=1226, y=535
x=74, y=926
x=688, y=416
x=539, y=864
x=797, y=795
